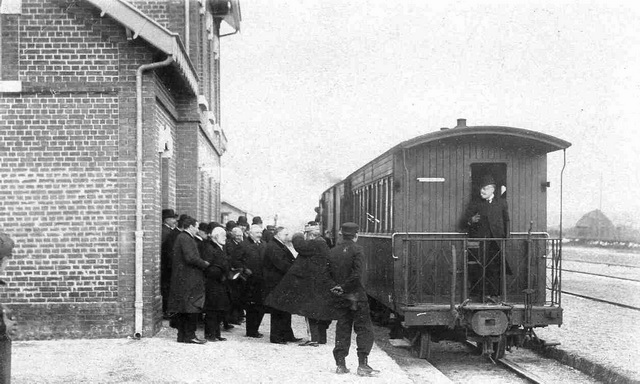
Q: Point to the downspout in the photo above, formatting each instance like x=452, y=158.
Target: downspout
x=138, y=304
x=187, y=28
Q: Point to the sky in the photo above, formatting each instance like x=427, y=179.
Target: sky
x=313, y=90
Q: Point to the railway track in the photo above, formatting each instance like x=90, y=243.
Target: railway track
x=521, y=371
x=601, y=263
x=600, y=275
x=597, y=299
x=601, y=300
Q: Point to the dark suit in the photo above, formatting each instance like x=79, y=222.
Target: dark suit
x=166, y=259
x=236, y=287
x=250, y=257
x=277, y=261
x=494, y=223
x=346, y=262
x=494, y=218
x=187, y=285
x=217, y=300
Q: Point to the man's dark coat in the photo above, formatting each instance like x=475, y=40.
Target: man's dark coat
x=216, y=290
x=494, y=218
x=187, y=279
x=346, y=262
x=305, y=289
x=277, y=261
x=250, y=257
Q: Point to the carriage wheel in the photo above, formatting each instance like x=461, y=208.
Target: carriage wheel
x=499, y=348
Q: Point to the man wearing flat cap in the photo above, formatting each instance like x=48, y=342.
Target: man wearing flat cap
x=488, y=217
x=346, y=264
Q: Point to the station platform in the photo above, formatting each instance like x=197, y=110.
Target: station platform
x=160, y=359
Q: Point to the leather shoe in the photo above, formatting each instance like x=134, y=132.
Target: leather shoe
x=278, y=342
x=256, y=336
x=295, y=339
x=221, y=338
x=228, y=327
x=195, y=340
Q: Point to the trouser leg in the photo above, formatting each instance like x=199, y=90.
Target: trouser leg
x=255, y=313
x=343, y=337
x=190, y=325
x=277, y=326
x=287, y=331
x=314, y=329
x=211, y=325
x=322, y=331
x=364, y=329
x=178, y=323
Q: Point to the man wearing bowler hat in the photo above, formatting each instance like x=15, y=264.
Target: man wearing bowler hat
x=488, y=217
x=346, y=262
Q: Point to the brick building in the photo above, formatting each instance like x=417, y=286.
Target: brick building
x=109, y=112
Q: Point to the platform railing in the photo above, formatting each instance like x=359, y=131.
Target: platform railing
x=477, y=256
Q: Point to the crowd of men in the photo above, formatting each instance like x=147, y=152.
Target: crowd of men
x=238, y=272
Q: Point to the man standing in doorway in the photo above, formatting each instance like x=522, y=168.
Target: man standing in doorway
x=489, y=218
x=186, y=298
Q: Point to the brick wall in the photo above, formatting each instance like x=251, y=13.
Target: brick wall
x=68, y=172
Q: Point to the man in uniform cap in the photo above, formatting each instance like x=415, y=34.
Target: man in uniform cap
x=488, y=217
x=346, y=262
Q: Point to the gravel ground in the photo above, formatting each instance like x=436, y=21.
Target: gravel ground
x=617, y=291
x=601, y=255
x=597, y=332
x=160, y=359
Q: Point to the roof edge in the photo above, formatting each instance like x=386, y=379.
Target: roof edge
x=157, y=35
x=552, y=142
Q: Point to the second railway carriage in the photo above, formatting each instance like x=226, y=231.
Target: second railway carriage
x=420, y=263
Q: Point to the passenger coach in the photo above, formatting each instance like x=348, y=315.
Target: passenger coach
x=421, y=265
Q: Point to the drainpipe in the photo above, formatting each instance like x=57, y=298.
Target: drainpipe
x=138, y=304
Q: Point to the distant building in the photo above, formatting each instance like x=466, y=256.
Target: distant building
x=229, y=211
x=594, y=226
x=109, y=112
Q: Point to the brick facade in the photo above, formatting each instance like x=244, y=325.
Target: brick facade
x=68, y=164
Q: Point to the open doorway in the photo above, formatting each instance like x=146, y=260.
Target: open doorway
x=498, y=171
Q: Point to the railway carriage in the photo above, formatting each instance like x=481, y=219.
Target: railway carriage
x=420, y=263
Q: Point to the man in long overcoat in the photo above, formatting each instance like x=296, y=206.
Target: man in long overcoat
x=488, y=218
x=306, y=288
x=277, y=261
x=217, y=300
x=186, y=298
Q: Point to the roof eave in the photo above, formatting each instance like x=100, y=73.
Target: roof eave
x=145, y=27
x=550, y=143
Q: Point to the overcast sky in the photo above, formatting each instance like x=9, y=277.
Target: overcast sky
x=312, y=90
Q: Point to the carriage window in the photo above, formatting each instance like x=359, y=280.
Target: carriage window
x=373, y=206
